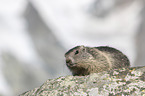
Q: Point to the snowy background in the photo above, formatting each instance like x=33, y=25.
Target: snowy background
x=35, y=34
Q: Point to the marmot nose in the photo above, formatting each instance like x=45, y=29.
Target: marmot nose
x=68, y=60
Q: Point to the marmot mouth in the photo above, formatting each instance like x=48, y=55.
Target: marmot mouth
x=71, y=64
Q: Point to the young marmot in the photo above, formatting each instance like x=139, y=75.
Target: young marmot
x=83, y=60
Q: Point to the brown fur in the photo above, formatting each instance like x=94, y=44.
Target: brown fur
x=85, y=60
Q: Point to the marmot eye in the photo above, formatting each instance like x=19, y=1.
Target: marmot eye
x=76, y=52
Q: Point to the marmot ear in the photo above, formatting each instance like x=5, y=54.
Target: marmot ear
x=83, y=48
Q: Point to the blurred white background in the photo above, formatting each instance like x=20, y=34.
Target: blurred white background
x=35, y=34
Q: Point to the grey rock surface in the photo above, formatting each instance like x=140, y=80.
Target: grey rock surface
x=118, y=82
x=47, y=46
x=21, y=77
x=140, y=45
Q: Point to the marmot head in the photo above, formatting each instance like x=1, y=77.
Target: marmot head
x=78, y=57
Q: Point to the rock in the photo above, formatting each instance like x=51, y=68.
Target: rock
x=140, y=40
x=46, y=44
x=19, y=75
x=120, y=82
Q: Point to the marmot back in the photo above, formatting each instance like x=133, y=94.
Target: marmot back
x=120, y=60
x=85, y=60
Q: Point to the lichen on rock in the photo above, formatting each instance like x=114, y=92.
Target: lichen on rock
x=122, y=82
